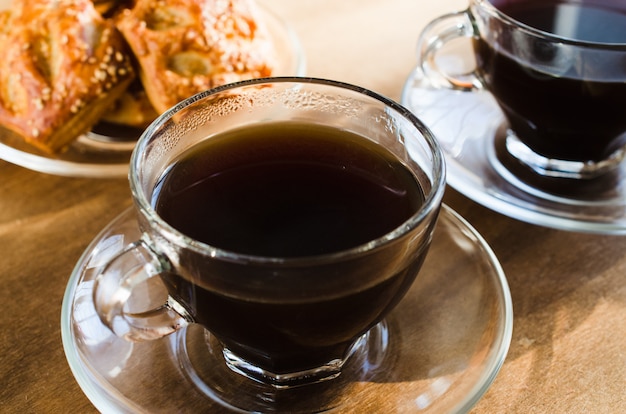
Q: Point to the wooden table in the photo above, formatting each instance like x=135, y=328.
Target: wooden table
x=568, y=352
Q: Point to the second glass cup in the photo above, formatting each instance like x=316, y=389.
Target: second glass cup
x=556, y=70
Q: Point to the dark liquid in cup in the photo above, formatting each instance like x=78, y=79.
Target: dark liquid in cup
x=290, y=190
x=577, y=112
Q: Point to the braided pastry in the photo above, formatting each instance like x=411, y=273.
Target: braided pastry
x=186, y=46
x=66, y=67
x=63, y=66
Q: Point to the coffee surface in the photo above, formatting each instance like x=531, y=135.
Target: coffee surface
x=287, y=189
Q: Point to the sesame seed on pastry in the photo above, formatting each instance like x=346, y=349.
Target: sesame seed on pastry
x=63, y=65
x=186, y=46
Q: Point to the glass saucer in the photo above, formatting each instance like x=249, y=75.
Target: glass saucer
x=447, y=339
x=106, y=153
x=471, y=129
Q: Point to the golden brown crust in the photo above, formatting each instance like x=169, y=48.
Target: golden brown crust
x=62, y=66
x=5, y=16
x=186, y=46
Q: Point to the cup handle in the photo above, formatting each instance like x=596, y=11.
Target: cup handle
x=435, y=35
x=113, y=287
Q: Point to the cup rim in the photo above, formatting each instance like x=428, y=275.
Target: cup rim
x=532, y=31
x=432, y=201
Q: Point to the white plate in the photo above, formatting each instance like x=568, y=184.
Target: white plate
x=470, y=127
x=107, y=155
x=447, y=338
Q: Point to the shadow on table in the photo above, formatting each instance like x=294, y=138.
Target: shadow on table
x=563, y=286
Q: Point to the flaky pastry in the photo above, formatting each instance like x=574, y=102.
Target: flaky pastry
x=63, y=65
x=186, y=46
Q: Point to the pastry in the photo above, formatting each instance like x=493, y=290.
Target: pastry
x=186, y=46
x=63, y=65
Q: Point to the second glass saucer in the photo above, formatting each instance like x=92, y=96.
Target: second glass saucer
x=445, y=342
x=471, y=129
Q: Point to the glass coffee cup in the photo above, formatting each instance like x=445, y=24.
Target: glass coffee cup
x=556, y=70
x=284, y=216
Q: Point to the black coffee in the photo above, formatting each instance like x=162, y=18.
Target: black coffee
x=577, y=112
x=294, y=336
x=287, y=190
x=291, y=190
